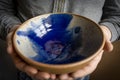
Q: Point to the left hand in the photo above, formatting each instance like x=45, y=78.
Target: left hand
x=93, y=64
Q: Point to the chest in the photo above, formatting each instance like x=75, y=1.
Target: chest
x=88, y=8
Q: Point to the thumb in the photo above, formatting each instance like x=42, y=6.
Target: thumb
x=9, y=43
x=108, y=46
x=107, y=34
x=9, y=40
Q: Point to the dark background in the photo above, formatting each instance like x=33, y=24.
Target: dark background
x=7, y=68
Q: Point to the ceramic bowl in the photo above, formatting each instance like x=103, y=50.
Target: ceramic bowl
x=58, y=42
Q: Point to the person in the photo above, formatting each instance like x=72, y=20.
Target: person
x=14, y=12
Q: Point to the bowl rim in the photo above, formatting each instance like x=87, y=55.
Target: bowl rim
x=58, y=66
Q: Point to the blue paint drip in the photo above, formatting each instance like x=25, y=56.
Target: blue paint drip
x=58, y=21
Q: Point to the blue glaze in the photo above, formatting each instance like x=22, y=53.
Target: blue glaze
x=51, y=31
x=18, y=42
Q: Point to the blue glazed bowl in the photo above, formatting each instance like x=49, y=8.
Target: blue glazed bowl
x=58, y=42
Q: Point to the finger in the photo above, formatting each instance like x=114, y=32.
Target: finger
x=31, y=71
x=10, y=49
x=89, y=68
x=9, y=43
x=52, y=76
x=10, y=35
x=108, y=46
x=9, y=38
x=63, y=77
x=14, y=28
x=70, y=78
x=21, y=65
x=93, y=64
x=78, y=74
x=42, y=76
x=18, y=62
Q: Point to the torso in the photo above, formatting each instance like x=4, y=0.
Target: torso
x=89, y=8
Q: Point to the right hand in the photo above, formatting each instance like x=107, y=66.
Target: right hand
x=21, y=65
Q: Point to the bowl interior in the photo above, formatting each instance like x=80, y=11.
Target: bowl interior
x=58, y=38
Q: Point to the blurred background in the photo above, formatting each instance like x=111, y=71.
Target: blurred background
x=108, y=68
x=7, y=68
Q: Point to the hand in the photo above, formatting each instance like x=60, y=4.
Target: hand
x=21, y=65
x=93, y=64
x=108, y=44
x=38, y=75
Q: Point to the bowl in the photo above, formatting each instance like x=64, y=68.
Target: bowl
x=58, y=42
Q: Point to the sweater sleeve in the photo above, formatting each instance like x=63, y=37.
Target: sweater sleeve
x=111, y=17
x=8, y=17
